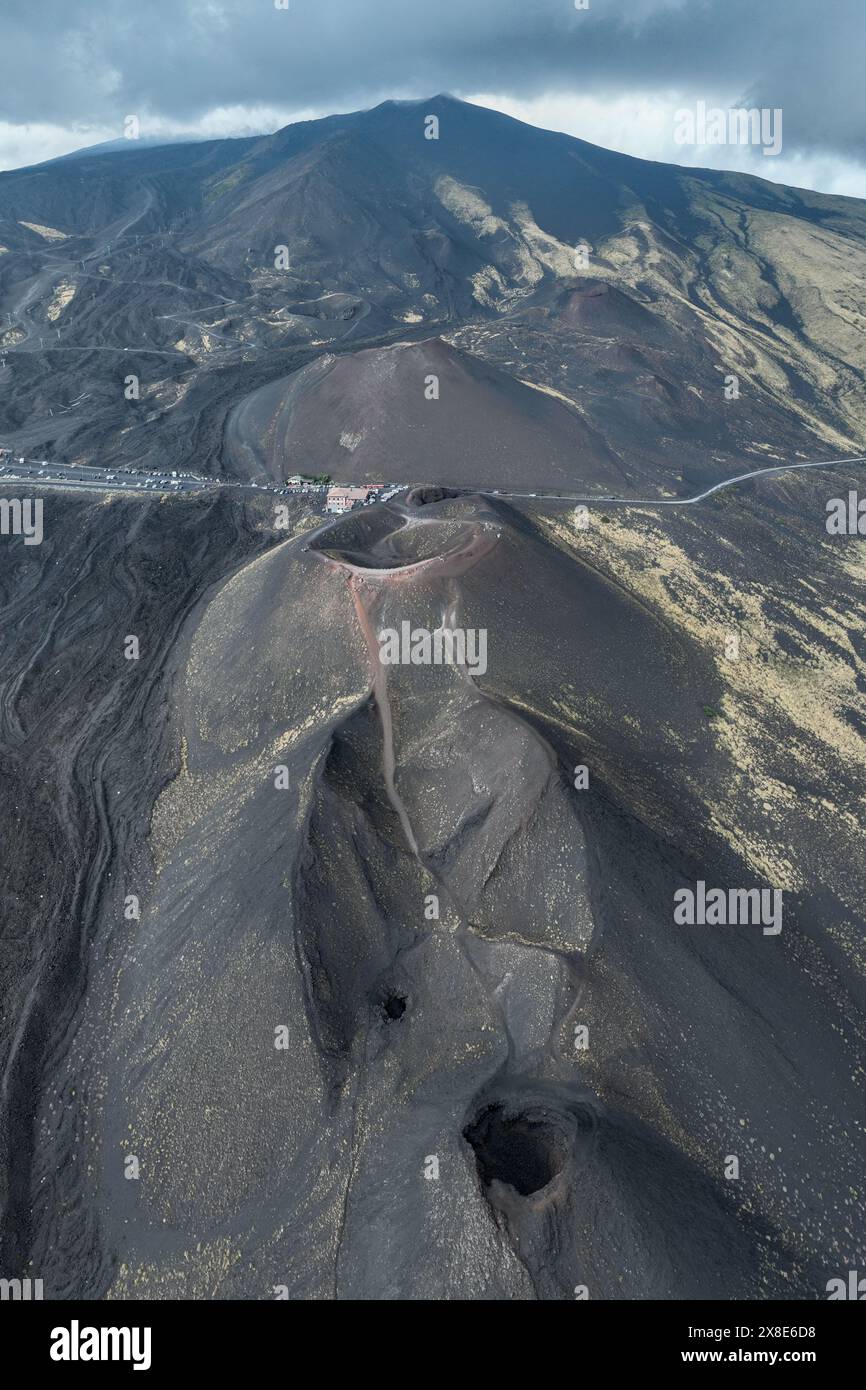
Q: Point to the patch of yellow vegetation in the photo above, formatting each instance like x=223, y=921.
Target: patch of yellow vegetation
x=196, y=1273
x=47, y=233
x=546, y=249
x=529, y=250
x=188, y=798
x=468, y=206
x=63, y=295
x=765, y=690
x=821, y=273
x=550, y=391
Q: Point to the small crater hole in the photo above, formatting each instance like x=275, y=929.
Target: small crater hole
x=526, y=1150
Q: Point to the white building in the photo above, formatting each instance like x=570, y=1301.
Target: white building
x=343, y=499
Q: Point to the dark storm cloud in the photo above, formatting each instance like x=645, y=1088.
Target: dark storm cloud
x=94, y=61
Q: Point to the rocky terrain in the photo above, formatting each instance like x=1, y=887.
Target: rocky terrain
x=329, y=978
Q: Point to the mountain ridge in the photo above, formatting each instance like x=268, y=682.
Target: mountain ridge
x=479, y=237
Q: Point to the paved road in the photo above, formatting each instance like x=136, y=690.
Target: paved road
x=19, y=469
x=687, y=501
x=16, y=468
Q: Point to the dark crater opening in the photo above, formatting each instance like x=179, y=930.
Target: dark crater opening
x=384, y=539
x=393, y=1007
x=526, y=1150
x=428, y=493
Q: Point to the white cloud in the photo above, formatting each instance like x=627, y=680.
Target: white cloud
x=643, y=125
x=36, y=141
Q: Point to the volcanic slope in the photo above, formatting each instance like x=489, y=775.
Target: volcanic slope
x=347, y=1046
x=634, y=292
x=418, y=410
x=85, y=745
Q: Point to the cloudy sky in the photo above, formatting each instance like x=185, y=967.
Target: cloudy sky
x=615, y=73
